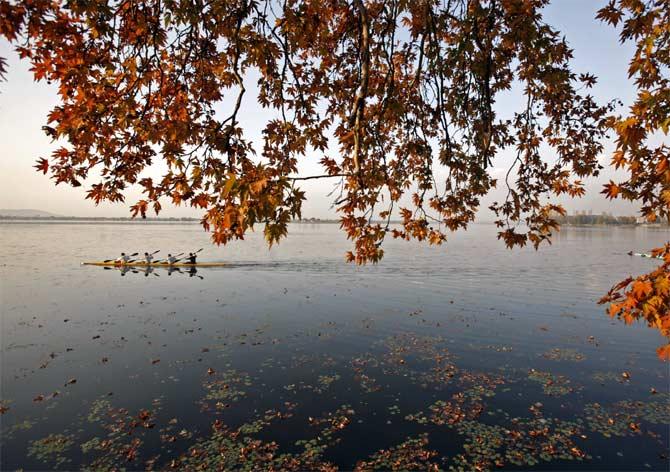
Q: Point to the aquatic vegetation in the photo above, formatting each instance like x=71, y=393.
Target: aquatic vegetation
x=409, y=455
x=124, y=434
x=451, y=412
x=555, y=385
x=51, y=449
x=393, y=410
x=477, y=385
x=227, y=386
x=491, y=436
x=512, y=440
x=604, y=377
x=24, y=425
x=521, y=442
x=362, y=364
x=98, y=410
x=558, y=354
x=490, y=347
x=324, y=382
x=624, y=418
x=227, y=449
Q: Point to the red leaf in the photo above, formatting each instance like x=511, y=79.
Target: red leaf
x=42, y=165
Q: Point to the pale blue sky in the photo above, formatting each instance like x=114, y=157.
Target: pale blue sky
x=24, y=105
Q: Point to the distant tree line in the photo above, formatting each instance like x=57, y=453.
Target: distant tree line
x=602, y=219
x=92, y=218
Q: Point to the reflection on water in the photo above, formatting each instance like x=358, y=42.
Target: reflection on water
x=154, y=270
x=468, y=356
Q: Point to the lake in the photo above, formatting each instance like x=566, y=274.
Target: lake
x=467, y=356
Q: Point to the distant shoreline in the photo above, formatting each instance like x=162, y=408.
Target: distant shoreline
x=167, y=221
x=126, y=220
x=96, y=219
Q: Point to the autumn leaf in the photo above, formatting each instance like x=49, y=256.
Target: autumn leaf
x=611, y=190
x=641, y=289
x=663, y=352
x=141, y=208
x=42, y=165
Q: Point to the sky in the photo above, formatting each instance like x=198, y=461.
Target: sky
x=24, y=105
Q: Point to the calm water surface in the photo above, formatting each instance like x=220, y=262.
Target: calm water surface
x=467, y=356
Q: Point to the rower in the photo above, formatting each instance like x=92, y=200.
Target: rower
x=192, y=257
x=148, y=257
x=171, y=259
x=123, y=259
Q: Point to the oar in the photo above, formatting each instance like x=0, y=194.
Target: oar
x=155, y=252
x=193, y=253
x=184, y=257
x=131, y=255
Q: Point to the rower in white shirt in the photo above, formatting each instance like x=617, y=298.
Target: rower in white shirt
x=123, y=259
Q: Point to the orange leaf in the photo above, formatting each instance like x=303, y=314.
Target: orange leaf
x=663, y=352
x=641, y=289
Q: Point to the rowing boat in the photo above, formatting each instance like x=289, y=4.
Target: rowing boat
x=650, y=256
x=154, y=264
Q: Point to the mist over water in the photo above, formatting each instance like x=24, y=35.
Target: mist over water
x=488, y=332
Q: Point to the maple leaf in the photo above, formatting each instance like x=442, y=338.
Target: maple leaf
x=42, y=165
x=611, y=190
x=641, y=288
x=140, y=208
x=200, y=200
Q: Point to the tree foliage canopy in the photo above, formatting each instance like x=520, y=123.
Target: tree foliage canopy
x=405, y=91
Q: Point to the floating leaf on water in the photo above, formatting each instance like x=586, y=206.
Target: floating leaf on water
x=558, y=354
x=409, y=455
x=554, y=385
x=51, y=449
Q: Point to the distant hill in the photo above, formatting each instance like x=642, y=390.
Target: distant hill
x=26, y=213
